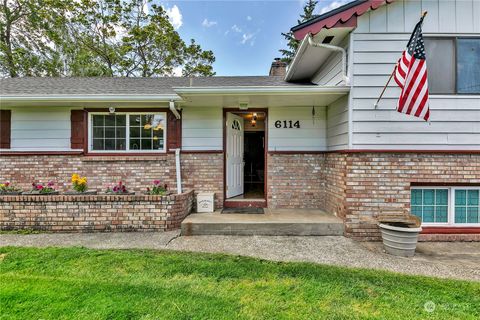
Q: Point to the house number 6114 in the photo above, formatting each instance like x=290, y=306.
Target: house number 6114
x=288, y=124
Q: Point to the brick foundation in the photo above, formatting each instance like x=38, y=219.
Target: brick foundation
x=379, y=183
x=296, y=180
x=91, y=213
x=449, y=237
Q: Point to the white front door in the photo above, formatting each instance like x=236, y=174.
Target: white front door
x=234, y=155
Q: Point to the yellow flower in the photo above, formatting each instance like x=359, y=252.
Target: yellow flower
x=82, y=181
x=75, y=177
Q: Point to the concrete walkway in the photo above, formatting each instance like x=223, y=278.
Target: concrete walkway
x=445, y=260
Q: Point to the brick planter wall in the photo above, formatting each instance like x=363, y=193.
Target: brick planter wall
x=200, y=172
x=296, y=180
x=77, y=213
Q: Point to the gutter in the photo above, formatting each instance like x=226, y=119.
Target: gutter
x=308, y=41
x=333, y=48
x=95, y=98
x=279, y=90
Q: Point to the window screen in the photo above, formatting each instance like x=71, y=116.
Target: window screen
x=441, y=65
x=468, y=65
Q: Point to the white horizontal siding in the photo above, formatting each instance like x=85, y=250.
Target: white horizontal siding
x=378, y=42
x=310, y=137
x=337, y=124
x=202, y=128
x=331, y=72
x=444, y=16
x=40, y=128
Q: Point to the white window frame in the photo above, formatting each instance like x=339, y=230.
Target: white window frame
x=127, y=134
x=451, y=207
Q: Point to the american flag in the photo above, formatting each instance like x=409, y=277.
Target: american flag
x=411, y=76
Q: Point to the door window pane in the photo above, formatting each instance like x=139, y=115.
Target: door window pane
x=440, y=65
x=468, y=65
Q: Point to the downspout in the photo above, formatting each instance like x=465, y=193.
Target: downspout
x=333, y=48
x=173, y=109
x=177, y=151
x=177, y=167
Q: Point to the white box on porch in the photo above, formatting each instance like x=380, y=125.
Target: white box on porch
x=205, y=202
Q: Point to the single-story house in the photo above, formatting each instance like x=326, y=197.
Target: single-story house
x=306, y=136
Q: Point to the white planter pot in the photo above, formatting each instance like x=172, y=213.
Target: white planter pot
x=399, y=241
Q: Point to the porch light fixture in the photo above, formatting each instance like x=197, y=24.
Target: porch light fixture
x=111, y=109
x=253, y=122
x=243, y=105
x=255, y=116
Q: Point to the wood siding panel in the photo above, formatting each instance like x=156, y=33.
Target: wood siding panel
x=337, y=124
x=311, y=136
x=455, y=120
x=202, y=128
x=41, y=128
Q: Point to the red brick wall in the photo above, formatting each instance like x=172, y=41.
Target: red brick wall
x=296, y=180
x=380, y=183
x=201, y=172
x=90, y=213
x=335, y=184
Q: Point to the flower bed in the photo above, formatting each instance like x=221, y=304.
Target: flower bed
x=89, y=213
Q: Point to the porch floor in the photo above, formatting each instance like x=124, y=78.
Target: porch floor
x=275, y=222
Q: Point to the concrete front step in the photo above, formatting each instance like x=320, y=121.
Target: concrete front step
x=273, y=223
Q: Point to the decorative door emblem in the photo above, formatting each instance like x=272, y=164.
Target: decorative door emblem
x=236, y=125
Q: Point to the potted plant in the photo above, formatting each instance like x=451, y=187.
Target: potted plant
x=79, y=185
x=157, y=189
x=40, y=189
x=118, y=188
x=400, y=234
x=8, y=189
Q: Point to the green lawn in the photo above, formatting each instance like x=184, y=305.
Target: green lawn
x=80, y=283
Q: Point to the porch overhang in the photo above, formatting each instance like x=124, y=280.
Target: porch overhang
x=261, y=97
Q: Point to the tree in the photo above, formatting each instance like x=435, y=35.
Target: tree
x=94, y=38
x=292, y=43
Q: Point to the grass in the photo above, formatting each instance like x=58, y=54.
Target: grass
x=78, y=283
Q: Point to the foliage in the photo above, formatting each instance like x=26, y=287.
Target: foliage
x=94, y=38
x=79, y=183
x=157, y=188
x=48, y=188
x=118, y=188
x=7, y=187
x=292, y=43
x=79, y=283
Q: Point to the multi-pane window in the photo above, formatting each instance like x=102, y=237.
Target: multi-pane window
x=446, y=205
x=127, y=132
x=453, y=65
x=466, y=206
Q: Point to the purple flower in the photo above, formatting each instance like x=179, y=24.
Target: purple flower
x=156, y=182
x=50, y=184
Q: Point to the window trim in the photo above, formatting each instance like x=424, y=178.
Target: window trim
x=455, y=52
x=451, y=206
x=127, y=133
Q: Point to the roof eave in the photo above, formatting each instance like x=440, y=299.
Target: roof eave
x=91, y=98
x=310, y=89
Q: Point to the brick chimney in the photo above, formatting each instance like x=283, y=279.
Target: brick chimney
x=278, y=68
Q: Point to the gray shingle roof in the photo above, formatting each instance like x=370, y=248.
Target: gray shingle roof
x=31, y=86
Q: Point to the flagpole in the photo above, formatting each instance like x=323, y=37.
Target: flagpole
x=385, y=87
x=391, y=76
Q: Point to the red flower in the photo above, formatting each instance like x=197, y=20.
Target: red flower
x=39, y=187
x=7, y=184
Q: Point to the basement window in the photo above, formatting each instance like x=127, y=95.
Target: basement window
x=127, y=132
x=448, y=206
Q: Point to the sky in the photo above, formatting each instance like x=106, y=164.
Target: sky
x=245, y=36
